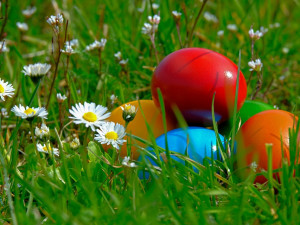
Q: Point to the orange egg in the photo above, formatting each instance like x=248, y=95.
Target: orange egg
x=270, y=127
x=138, y=126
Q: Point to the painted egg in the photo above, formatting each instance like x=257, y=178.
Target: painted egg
x=188, y=78
x=197, y=141
x=268, y=127
x=138, y=126
x=249, y=109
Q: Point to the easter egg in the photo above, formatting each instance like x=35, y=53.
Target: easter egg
x=249, y=109
x=196, y=142
x=268, y=127
x=138, y=126
x=189, y=78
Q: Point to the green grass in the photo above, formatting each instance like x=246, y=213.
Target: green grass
x=81, y=186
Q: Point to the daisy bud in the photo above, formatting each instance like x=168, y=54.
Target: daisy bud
x=75, y=143
x=129, y=112
x=42, y=131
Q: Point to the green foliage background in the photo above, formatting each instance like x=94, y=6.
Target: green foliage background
x=69, y=190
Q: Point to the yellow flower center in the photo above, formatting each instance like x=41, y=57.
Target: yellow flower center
x=1, y=89
x=111, y=135
x=127, y=107
x=47, y=148
x=29, y=111
x=90, y=116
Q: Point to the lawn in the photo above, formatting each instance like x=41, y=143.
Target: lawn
x=58, y=167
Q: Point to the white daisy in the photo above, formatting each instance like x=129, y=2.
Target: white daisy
x=46, y=148
x=75, y=143
x=89, y=114
x=28, y=12
x=6, y=89
x=28, y=113
x=111, y=134
x=3, y=47
x=60, y=98
x=22, y=26
x=97, y=45
x=42, y=131
x=36, y=70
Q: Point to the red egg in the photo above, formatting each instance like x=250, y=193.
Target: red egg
x=270, y=127
x=189, y=78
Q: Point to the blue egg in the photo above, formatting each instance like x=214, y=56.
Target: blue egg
x=197, y=141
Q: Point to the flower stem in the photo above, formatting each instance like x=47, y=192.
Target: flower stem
x=152, y=38
x=67, y=81
x=100, y=63
x=195, y=23
x=4, y=21
x=55, y=71
x=178, y=33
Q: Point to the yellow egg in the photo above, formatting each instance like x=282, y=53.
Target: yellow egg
x=138, y=126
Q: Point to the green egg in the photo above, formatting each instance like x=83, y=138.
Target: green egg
x=249, y=109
